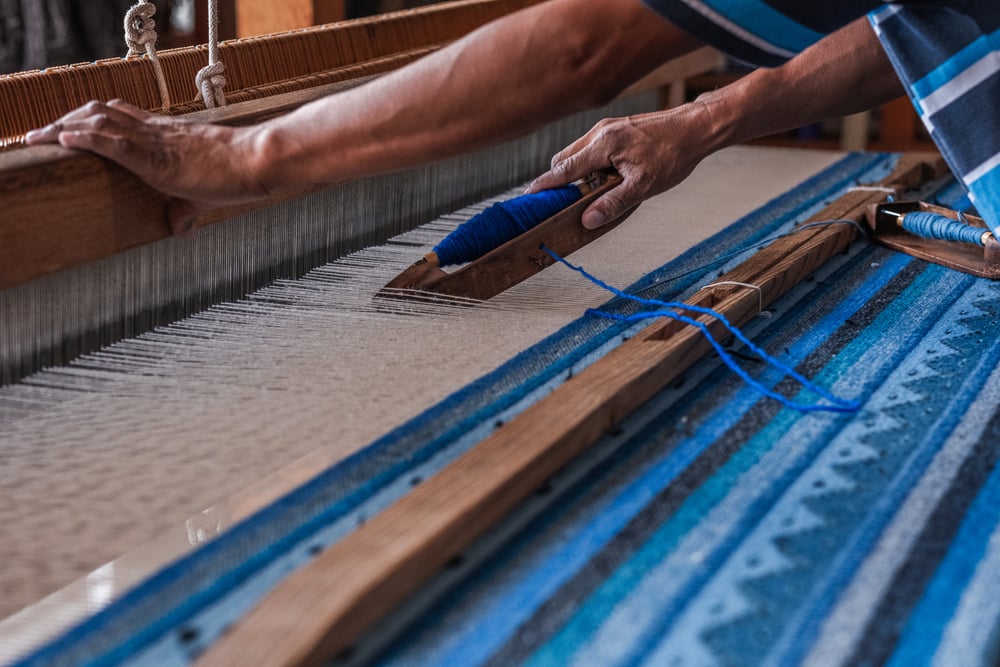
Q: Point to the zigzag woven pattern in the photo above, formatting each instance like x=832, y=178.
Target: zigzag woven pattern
x=713, y=527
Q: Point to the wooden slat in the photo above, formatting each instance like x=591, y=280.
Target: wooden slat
x=325, y=607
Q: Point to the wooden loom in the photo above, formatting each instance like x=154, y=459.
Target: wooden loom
x=325, y=607
x=44, y=250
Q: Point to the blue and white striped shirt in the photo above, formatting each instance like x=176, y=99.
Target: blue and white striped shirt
x=947, y=53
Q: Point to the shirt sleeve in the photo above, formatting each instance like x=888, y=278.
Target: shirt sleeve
x=761, y=32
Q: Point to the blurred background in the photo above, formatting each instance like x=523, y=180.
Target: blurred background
x=35, y=34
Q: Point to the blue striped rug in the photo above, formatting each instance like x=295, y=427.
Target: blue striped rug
x=711, y=527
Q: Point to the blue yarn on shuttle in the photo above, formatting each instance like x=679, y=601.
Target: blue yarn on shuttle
x=502, y=222
x=938, y=227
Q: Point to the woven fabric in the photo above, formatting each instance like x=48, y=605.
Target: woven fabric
x=711, y=527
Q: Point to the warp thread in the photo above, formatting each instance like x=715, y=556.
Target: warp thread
x=140, y=37
x=502, y=222
x=940, y=228
x=669, y=309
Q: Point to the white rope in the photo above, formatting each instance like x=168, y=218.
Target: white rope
x=735, y=283
x=872, y=188
x=211, y=79
x=140, y=37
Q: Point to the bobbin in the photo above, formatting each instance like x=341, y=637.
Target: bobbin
x=883, y=222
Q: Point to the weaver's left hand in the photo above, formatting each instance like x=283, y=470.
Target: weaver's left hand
x=653, y=152
x=200, y=166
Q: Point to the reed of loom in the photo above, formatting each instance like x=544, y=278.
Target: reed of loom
x=42, y=248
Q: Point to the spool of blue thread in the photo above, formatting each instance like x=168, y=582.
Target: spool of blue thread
x=940, y=228
x=502, y=222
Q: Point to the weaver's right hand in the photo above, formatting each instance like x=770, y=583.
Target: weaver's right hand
x=653, y=152
x=200, y=166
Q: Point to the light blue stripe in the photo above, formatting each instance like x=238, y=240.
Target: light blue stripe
x=955, y=65
x=937, y=606
x=766, y=23
x=986, y=196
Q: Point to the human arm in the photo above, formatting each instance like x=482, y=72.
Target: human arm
x=842, y=74
x=502, y=80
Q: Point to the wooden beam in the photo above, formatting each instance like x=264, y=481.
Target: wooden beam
x=63, y=208
x=326, y=606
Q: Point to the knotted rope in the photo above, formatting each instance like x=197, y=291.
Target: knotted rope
x=140, y=37
x=211, y=79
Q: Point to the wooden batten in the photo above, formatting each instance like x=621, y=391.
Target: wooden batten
x=325, y=607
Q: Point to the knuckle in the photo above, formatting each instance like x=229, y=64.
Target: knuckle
x=121, y=145
x=563, y=167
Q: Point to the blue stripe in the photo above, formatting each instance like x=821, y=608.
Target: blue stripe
x=930, y=617
x=986, y=197
x=767, y=23
x=954, y=66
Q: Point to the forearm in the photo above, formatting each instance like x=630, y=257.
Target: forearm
x=501, y=81
x=845, y=73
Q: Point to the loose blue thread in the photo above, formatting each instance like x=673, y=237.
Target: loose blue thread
x=502, y=222
x=940, y=228
x=837, y=404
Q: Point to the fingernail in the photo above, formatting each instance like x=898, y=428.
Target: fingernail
x=593, y=219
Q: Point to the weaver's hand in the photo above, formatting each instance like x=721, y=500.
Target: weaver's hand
x=653, y=152
x=200, y=166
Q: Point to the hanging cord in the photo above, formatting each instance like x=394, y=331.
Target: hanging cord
x=669, y=309
x=140, y=37
x=211, y=79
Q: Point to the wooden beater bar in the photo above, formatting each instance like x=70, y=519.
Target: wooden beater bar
x=325, y=607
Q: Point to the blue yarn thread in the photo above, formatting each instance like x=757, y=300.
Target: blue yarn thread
x=940, y=228
x=502, y=222
x=837, y=404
